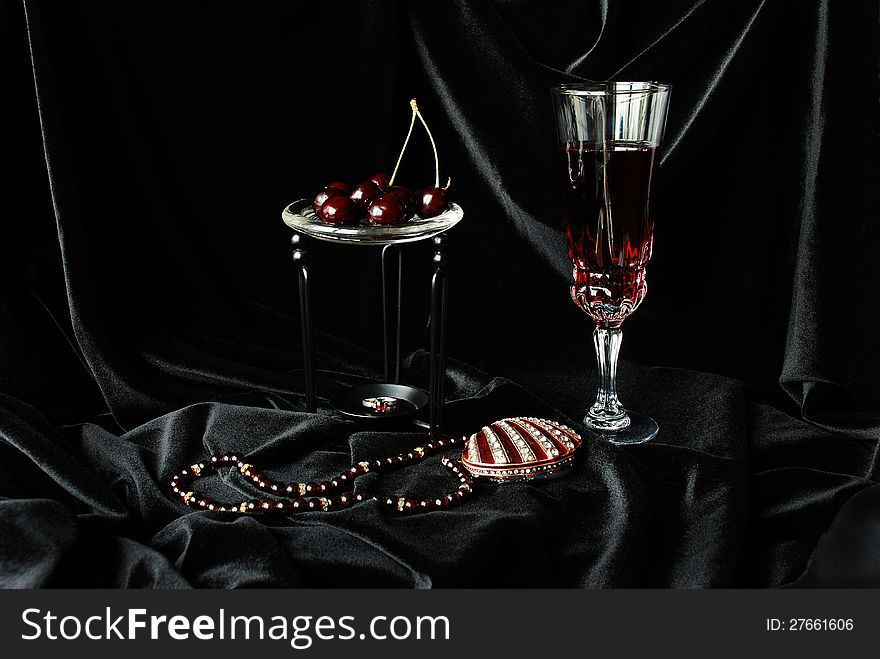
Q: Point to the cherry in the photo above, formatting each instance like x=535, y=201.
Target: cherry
x=387, y=209
x=340, y=185
x=431, y=202
x=381, y=180
x=405, y=195
x=339, y=209
x=324, y=195
x=364, y=193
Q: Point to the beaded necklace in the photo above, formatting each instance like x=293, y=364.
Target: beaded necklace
x=333, y=494
x=513, y=449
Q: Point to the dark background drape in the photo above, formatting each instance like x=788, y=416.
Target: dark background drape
x=148, y=302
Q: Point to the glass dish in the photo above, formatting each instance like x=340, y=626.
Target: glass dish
x=300, y=216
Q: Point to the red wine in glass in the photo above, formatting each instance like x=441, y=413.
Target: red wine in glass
x=607, y=134
x=608, y=190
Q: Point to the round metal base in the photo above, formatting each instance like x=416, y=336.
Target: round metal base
x=380, y=401
x=641, y=428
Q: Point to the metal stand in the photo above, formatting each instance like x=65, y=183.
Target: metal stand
x=436, y=393
x=387, y=310
x=305, y=312
x=391, y=325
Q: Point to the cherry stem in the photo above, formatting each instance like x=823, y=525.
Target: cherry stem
x=415, y=111
x=430, y=137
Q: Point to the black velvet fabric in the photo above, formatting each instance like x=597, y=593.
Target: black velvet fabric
x=148, y=303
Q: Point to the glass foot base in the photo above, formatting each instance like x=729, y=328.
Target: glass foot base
x=641, y=428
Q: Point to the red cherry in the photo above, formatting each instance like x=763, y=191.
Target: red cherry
x=340, y=185
x=387, y=209
x=431, y=202
x=364, y=193
x=381, y=180
x=405, y=195
x=339, y=210
x=323, y=196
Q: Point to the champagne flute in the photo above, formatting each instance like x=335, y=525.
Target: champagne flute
x=608, y=138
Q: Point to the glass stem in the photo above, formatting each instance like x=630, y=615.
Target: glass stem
x=607, y=412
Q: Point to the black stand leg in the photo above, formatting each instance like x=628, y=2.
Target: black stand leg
x=391, y=313
x=305, y=311
x=437, y=396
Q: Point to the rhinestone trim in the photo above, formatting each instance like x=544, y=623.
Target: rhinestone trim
x=549, y=449
x=499, y=455
x=473, y=449
x=525, y=451
x=554, y=430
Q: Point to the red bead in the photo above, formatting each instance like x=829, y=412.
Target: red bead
x=298, y=503
x=426, y=504
x=457, y=496
x=343, y=501
x=323, y=486
x=409, y=505
x=313, y=504
x=311, y=488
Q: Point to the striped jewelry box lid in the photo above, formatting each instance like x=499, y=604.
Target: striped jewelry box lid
x=520, y=447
